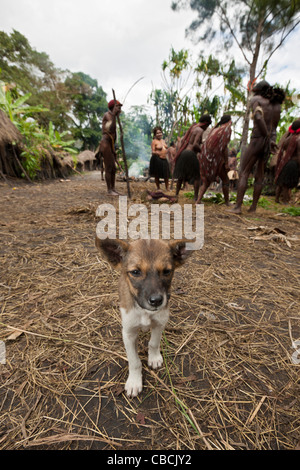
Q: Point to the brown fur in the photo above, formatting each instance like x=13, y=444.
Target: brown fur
x=147, y=268
x=151, y=257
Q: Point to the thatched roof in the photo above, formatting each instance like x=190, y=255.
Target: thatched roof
x=85, y=156
x=8, y=131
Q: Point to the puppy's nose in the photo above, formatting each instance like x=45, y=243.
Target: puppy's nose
x=155, y=300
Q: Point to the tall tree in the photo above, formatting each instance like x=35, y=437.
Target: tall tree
x=21, y=64
x=190, y=91
x=88, y=104
x=74, y=101
x=258, y=27
x=33, y=72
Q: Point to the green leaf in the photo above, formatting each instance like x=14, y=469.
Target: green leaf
x=20, y=101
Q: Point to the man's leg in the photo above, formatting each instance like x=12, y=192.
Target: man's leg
x=225, y=185
x=172, y=181
x=197, y=183
x=286, y=195
x=248, y=162
x=204, y=185
x=101, y=166
x=108, y=178
x=178, y=185
x=102, y=169
x=110, y=171
x=113, y=179
x=258, y=184
x=242, y=186
x=277, y=194
x=107, y=157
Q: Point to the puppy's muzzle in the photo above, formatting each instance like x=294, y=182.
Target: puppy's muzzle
x=156, y=300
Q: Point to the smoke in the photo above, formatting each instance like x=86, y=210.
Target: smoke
x=138, y=168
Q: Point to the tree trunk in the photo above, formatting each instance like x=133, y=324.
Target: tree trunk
x=252, y=72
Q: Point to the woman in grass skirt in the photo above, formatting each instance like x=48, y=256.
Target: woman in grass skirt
x=213, y=159
x=187, y=168
x=159, y=165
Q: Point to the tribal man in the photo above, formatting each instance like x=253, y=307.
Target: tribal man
x=266, y=108
x=287, y=171
x=107, y=145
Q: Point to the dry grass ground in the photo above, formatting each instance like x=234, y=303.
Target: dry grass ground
x=229, y=381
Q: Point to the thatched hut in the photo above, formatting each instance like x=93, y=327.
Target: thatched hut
x=10, y=141
x=63, y=164
x=86, y=160
x=52, y=164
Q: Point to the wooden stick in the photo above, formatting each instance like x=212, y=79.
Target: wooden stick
x=123, y=151
x=20, y=165
x=73, y=169
x=3, y=175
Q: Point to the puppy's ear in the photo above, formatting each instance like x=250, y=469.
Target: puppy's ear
x=179, y=252
x=113, y=250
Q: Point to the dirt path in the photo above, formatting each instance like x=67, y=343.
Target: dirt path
x=230, y=379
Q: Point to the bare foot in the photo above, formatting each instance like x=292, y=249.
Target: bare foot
x=252, y=210
x=112, y=192
x=235, y=210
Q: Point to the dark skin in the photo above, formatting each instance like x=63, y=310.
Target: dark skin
x=283, y=191
x=223, y=174
x=173, y=150
x=159, y=147
x=195, y=146
x=109, y=134
x=266, y=118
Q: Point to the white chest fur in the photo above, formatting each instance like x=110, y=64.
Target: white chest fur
x=132, y=321
x=138, y=318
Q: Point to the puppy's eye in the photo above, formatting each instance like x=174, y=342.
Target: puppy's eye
x=166, y=272
x=135, y=272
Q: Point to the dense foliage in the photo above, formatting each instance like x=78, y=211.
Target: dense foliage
x=257, y=28
x=58, y=108
x=63, y=110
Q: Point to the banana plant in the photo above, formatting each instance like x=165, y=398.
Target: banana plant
x=56, y=140
x=16, y=108
x=36, y=140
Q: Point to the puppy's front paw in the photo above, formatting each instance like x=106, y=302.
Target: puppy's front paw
x=155, y=361
x=134, y=386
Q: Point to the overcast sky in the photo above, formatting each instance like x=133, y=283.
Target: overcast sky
x=118, y=42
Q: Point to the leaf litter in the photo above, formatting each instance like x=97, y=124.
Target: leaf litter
x=228, y=380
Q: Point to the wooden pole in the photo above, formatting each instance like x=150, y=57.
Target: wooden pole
x=123, y=151
x=20, y=165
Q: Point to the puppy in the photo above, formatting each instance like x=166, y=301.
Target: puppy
x=147, y=268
